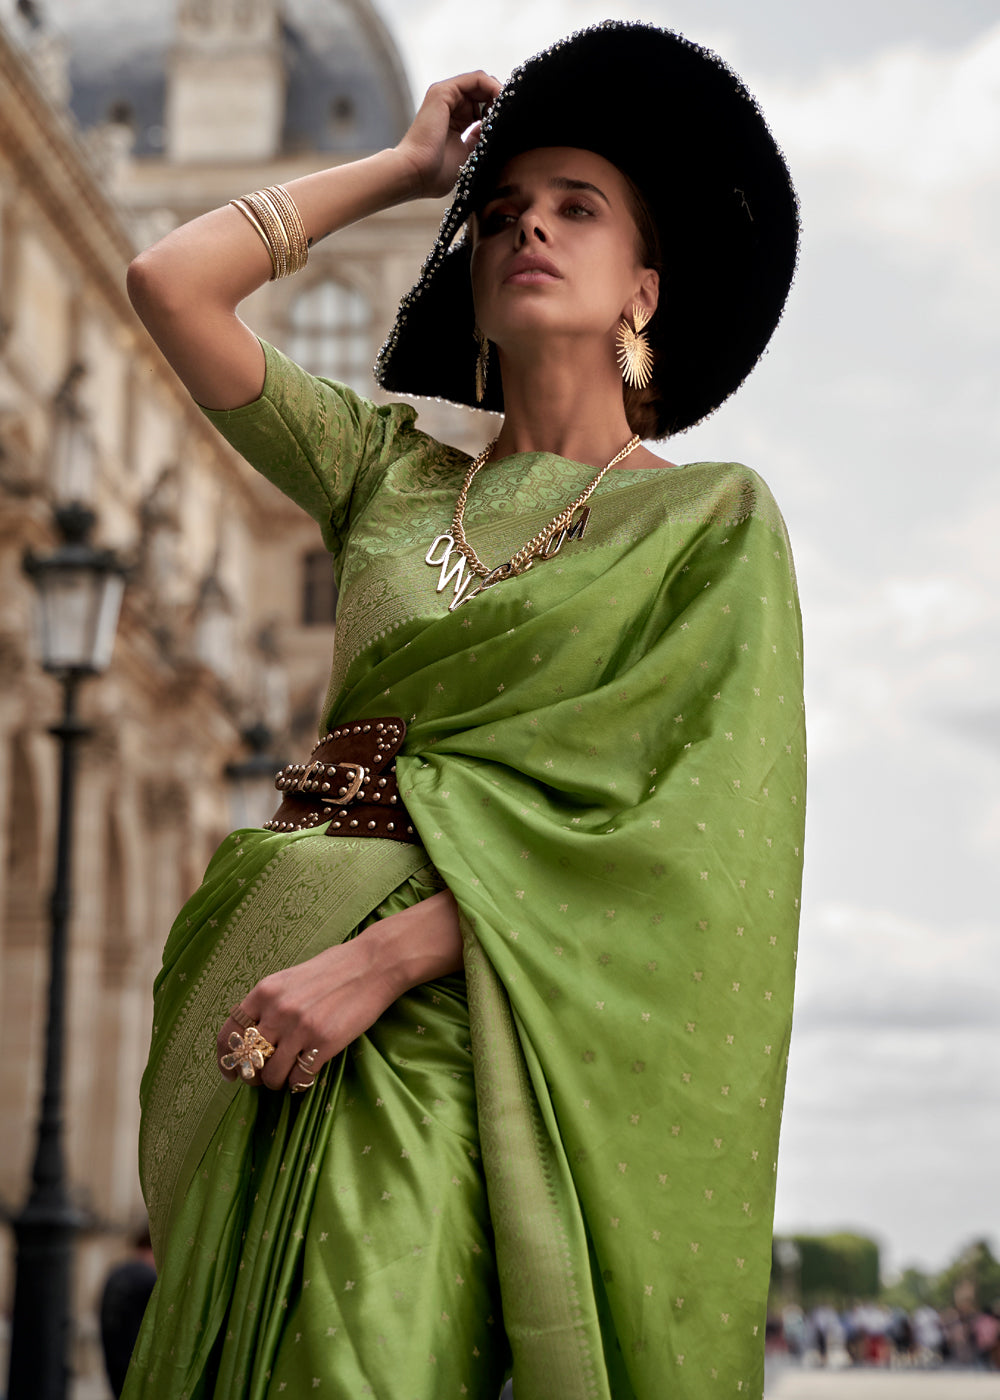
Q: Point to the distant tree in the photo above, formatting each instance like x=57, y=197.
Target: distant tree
x=913, y=1289
x=837, y=1269
x=975, y=1272
x=844, y=1268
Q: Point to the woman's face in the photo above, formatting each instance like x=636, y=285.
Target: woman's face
x=555, y=249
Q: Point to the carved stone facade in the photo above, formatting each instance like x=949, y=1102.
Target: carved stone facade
x=212, y=638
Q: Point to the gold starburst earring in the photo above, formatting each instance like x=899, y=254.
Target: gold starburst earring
x=635, y=354
x=482, y=364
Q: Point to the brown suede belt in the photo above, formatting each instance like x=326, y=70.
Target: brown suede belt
x=350, y=782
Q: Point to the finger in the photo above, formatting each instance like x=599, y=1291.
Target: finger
x=238, y=1021
x=247, y=1051
x=242, y=1016
x=307, y=1066
x=475, y=86
x=468, y=113
x=278, y=1070
x=466, y=97
x=470, y=137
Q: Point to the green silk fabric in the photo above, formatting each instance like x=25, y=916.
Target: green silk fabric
x=565, y=1161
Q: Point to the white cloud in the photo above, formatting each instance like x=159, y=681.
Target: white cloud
x=896, y=655
x=880, y=969
x=891, y=1122
x=913, y=115
x=974, y=537
x=447, y=36
x=895, y=1134
x=903, y=146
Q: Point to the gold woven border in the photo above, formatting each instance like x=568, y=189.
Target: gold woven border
x=541, y=1239
x=288, y=914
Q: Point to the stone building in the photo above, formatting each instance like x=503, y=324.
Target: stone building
x=118, y=121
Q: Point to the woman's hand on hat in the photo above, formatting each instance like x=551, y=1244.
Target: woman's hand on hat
x=445, y=130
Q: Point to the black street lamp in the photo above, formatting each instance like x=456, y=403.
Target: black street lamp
x=252, y=795
x=79, y=593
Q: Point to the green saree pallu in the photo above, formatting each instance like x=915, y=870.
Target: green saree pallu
x=563, y=1162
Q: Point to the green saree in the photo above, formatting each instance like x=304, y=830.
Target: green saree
x=564, y=1161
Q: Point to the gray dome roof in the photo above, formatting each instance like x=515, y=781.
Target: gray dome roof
x=347, y=89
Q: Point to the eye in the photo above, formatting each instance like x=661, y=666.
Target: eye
x=577, y=209
x=493, y=220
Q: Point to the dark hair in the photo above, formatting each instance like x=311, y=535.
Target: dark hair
x=642, y=406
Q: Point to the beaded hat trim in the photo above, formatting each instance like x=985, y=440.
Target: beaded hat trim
x=695, y=143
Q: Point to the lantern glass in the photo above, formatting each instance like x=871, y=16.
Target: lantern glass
x=74, y=458
x=78, y=615
x=252, y=797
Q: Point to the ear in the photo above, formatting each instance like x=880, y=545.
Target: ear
x=647, y=294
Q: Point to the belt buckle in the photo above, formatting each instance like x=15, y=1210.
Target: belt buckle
x=347, y=794
x=310, y=778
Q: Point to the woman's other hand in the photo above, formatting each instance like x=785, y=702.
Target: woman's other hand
x=186, y=287
x=325, y=1003
x=445, y=129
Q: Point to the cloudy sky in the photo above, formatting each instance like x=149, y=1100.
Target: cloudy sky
x=876, y=420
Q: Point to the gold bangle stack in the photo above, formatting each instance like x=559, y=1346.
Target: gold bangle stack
x=273, y=214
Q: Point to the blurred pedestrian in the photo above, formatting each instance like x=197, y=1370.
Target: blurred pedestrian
x=929, y=1336
x=123, y=1305
x=902, y=1338
x=986, y=1336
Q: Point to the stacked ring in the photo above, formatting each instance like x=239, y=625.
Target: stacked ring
x=241, y=1018
x=305, y=1063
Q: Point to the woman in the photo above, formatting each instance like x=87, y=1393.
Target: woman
x=535, y=1032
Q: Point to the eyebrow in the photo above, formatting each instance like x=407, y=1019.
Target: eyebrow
x=558, y=182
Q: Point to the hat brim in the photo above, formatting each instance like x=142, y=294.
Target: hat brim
x=680, y=124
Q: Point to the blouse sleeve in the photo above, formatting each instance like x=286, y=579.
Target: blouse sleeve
x=319, y=442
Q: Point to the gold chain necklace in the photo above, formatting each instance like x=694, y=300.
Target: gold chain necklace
x=538, y=547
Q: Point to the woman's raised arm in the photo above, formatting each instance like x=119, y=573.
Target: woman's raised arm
x=186, y=288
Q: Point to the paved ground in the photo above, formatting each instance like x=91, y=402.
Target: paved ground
x=789, y=1384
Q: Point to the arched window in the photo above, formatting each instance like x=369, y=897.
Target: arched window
x=115, y=946
x=319, y=591
x=215, y=629
x=343, y=118
x=330, y=334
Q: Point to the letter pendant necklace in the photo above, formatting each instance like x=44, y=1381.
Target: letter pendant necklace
x=460, y=564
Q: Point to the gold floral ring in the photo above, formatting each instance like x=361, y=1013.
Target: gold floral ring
x=248, y=1052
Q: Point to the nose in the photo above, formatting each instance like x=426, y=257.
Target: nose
x=528, y=228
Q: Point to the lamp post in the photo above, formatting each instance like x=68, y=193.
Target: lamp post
x=79, y=594
x=252, y=798
x=789, y=1258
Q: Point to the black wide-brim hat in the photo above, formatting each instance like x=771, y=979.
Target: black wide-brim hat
x=681, y=125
